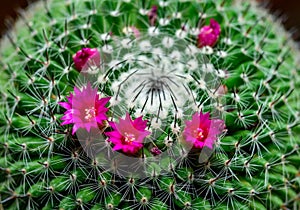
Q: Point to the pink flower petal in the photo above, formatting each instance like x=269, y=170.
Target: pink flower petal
x=140, y=124
x=128, y=135
x=152, y=15
x=86, y=57
x=87, y=109
x=209, y=35
x=202, y=131
x=155, y=151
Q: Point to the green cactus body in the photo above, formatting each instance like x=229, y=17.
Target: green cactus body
x=249, y=78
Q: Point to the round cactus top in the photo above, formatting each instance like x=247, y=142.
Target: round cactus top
x=149, y=105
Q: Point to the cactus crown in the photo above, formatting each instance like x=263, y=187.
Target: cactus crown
x=176, y=104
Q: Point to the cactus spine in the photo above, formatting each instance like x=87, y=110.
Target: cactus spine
x=247, y=76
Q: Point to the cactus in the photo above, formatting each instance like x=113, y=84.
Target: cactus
x=149, y=105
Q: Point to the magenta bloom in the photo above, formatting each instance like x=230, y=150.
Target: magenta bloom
x=132, y=30
x=86, y=57
x=136, y=32
x=155, y=151
x=209, y=35
x=201, y=131
x=128, y=135
x=152, y=15
x=85, y=109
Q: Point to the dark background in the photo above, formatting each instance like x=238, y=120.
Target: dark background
x=287, y=10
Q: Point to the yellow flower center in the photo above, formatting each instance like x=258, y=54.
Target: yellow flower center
x=199, y=133
x=90, y=113
x=129, y=137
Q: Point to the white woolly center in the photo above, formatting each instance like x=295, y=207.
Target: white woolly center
x=154, y=75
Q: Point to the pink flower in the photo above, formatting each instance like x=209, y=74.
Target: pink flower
x=222, y=90
x=136, y=32
x=209, y=35
x=85, y=109
x=155, y=151
x=152, y=15
x=132, y=30
x=201, y=131
x=128, y=135
x=86, y=57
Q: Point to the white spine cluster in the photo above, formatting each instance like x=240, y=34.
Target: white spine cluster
x=162, y=78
